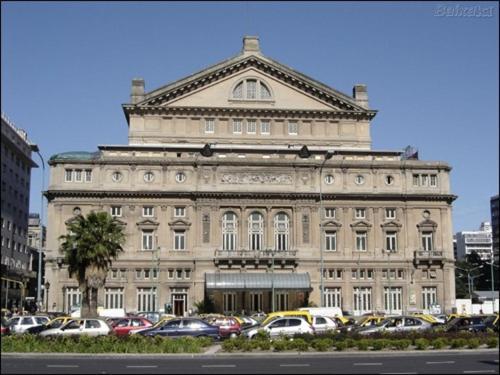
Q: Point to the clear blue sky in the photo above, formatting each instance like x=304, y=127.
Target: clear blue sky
x=67, y=68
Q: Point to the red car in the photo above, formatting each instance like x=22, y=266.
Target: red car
x=4, y=327
x=125, y=325
x=228, y=327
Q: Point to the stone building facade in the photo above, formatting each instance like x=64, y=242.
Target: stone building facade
x=244, y=181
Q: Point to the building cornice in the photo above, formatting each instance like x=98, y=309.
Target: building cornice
x=53, y=194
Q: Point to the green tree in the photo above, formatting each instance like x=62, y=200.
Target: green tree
x=89, y=248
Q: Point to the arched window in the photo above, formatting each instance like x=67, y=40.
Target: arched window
x=281, y=232
x=251, y=89
x=256, y=231
x=229, y=231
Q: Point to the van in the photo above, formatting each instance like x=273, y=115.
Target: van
x=330, y=312
x=280, y=314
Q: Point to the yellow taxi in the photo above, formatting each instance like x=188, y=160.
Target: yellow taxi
x=427, y=317
x=370, y=320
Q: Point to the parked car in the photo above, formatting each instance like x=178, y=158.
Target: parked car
x=492, y=322
x=19, y=324
x=322, y=324
x=304, y=314
x=469, y=324
x=228, y=326
x=123, y=326
x=91, y=327
x=154, y=316
x=4, y=327
x=370, y=320
x=396, y=324
x=287, y=326
x=248, y=322
x=345, y=324
x=54, y=323
x=182, y=327
x=330, y=312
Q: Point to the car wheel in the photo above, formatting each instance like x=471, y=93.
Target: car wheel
x=233, y=335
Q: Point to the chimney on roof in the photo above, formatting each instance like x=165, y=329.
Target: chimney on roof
x=360, y=93
x=251, y=44
x=137, y=92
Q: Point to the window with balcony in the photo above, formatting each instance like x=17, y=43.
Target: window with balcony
x=229, y=231
x=281, y=231
x=256, y=231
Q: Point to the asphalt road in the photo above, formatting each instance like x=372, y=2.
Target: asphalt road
x=458, y=362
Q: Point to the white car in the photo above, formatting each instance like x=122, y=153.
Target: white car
x=91, y=327
x=322, y=324
x=287, y=326
x=19, y=324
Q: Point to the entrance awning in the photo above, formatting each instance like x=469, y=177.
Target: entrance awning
x=257, y=281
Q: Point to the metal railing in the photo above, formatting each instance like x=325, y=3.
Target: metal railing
x=429, y=254
x=255, y=254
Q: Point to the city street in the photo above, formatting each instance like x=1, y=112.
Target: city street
x=456, y=362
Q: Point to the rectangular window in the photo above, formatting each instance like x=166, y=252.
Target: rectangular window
x=393, y=300
x=179, y=240
x=78, y=175
x=178, y=274
x=209, y=125
x=256, y=301
x=339, y=274
x=180, y=212
x=331, y=241
x=400, y=274
x=330, y=213
x=424, y=179
x=251, y=127
x=147, y=240
x=146, y=299
x=433, y=180
x=416, y=180
x=292, y=128
x=113, y=298
x=237, y=126
x=251, y=89
x=429, y=297
x=369, y=274
x=362, y=300
x=229, y=301
x=116, y=211
x=88, y=175
x=333, y=297
x=354, y=274
x=73, y=298
x=360, y=213
x=390, y=213
x=265, y=127
x=361, y=241
x=427, y=241
x=362, y=274
x=331, y=274
x=148, y=211
x=170, y=274
x=391, y=241
x=146, y=273
x=281, y=301
x=187, y=273
x=68, y=175
x=138, y=273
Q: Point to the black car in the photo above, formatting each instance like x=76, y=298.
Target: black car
x=492, y=322
x=469, y=324
x=183, y=327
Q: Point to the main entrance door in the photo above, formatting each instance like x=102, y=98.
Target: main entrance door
x=179, y=301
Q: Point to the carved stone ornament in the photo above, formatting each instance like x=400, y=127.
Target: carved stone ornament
x=249, y=178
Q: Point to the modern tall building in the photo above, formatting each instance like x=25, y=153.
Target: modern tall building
x=34, y=230
x=479, y=241
x=16, y=158
x=495, y=225
x=256, y=185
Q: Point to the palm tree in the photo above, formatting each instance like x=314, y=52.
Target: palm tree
x=89, y=247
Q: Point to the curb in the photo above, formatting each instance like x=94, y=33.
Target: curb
x=212, y=352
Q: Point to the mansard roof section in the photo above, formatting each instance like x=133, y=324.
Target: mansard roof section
x=236, y=64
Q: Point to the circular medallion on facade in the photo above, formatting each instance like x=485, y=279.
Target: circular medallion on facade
x=77, y=211
x=116, y=176
x=180, y=177
x=389, y=180
x=149, y=176
x=426, y=214
x=329, y=179
x=360, y=180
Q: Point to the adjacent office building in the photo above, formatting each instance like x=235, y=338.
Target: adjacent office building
x=16, y=159
x=495, y=218
x=256, y=185
x=479, y=241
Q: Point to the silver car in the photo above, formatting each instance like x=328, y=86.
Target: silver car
x=287, y=326
x=396, y=324
x=91, y=327
x=19, y=324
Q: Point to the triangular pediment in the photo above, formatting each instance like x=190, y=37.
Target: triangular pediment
x=211, y=87
x=147, y=223
x=179, y=223
x=361, y=224
x=391, y=224
x=332, y=224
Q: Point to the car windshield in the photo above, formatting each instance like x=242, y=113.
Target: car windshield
x=55, y=323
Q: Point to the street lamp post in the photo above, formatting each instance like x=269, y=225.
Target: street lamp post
x=47, y=286
x=328, y=155
x=469, y=278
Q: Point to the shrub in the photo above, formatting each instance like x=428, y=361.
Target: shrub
x=341, y=345
x=402, y=344
x=350, y=343
x=322, y=345
x=299, y=344
x=439, y=343
x=458, y=343
x=280, y=345
x=492, y=342
x=364, y=344
x=474, y=343
x=262, y=335
x=422, y=344
x=264, y=344
x=380, y=344
x=248, y=346
x=228, y=345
